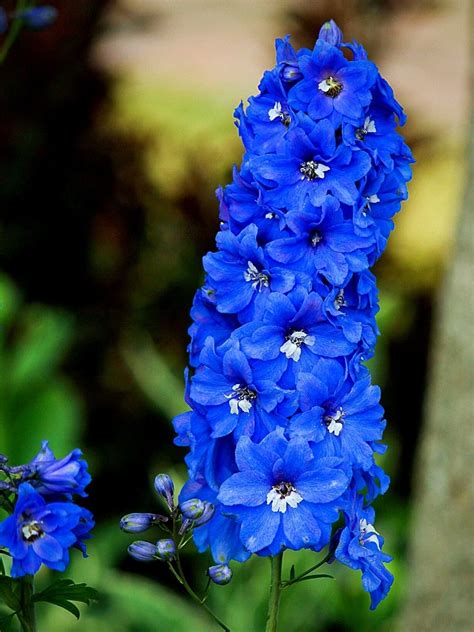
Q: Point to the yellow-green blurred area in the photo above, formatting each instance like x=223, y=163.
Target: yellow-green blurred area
x=117, y=127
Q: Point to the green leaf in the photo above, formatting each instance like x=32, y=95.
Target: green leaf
x=292, y=572
x=65, y=604
x=64, y=591
x=6, y=622
x=9, y=592
x=303, y=579
x=45, y=336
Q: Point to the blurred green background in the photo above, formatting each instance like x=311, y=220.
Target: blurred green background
x=116, y=128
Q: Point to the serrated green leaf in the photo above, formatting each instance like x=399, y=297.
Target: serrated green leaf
x=63, y=592
x=68, y=590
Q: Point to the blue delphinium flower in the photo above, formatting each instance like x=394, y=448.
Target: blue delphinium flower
x=360, y=548
x=285, y=424
x=50, y=475
x=283, y=495
x=39, y=532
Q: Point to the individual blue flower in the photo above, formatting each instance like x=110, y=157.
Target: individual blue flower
x=353, y=306
x=322, y=243
x=332, y=86
x=239, y=395
x=243, y=277
x=380, y=199
x=311, y=168
x=346, y=417
x=68, y=475
x=360, y=548
x=295, y=329
x=263, y=126
x=282, y=494
x=39, y=532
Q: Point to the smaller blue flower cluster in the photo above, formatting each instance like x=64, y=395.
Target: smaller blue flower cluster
x=285, y=422
x=45, y=522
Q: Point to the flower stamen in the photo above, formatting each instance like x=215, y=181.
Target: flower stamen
x=331, y=87
x=311, y=170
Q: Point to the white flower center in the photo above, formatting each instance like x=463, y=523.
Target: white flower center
x=241, y=399
x=370, y=199
x=368, y=533
x=276, y=112
x=369, y=128
x=32, y=531
x=312, y=170
x=339, y=300
x=331, y=87
x=282, y=495
x=271, y=215
x=258, y=279
x=292, y=345
x=334, y=422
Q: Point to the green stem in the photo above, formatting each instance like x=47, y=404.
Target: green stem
x=27, y=614
x=275, y=593
x=14, y=31
x=179, y=574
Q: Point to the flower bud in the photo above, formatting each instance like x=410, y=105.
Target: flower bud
x=138, y=522
x=331, y=33
x=165, y=550
x=164, y=487
x=220, y=574
x=192, y=509
x=38, y=17
x=206, y=515
x=143, y=551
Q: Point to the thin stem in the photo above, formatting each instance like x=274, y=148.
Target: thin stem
x=179, y=574
x=27, y=614
x=290, y=582
x=275, y=593
x=14, y=31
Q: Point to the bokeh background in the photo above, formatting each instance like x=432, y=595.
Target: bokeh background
x=116, y=128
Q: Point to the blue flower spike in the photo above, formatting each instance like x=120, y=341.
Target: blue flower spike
x=285, y=423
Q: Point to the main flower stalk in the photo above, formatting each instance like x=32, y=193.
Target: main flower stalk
x=275, y=593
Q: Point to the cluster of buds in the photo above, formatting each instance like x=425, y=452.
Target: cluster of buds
x=178, y=522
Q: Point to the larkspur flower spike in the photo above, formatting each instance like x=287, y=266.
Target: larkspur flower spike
x=285, y=423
